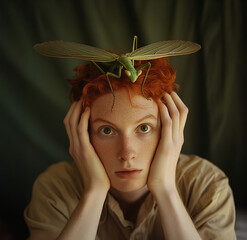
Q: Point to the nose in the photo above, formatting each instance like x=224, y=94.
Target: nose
x=127, y=150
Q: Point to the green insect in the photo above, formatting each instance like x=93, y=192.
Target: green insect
x=62, y=49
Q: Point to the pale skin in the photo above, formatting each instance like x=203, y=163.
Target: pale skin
x=141, y=136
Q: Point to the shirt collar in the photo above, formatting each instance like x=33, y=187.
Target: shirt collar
x=111, y=206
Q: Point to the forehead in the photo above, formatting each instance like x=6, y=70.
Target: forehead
x=128, y=105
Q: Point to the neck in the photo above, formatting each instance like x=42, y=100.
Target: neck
x=129, y=197
x=130, y=202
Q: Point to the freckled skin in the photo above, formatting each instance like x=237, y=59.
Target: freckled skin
x=132, y=143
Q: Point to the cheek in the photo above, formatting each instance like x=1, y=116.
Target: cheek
x=104, y=149
x=149, y=148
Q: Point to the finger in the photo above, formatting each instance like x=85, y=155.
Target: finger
x=173, y=112
x=183, y=110
x=83, y=126
x=165, y=120
x=73, y=123
x=66, y=120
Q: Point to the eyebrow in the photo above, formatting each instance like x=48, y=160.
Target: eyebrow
x=138, y=121
x=146, y=117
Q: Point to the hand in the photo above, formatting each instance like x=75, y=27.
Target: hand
x=173, y=115
x=92, y=170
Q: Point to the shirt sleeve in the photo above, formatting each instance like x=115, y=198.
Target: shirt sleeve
x=54, y=197
x=209, y=199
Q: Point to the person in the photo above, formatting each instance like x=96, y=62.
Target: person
x=128, y=178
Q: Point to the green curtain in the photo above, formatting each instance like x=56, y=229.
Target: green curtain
x=34, y=93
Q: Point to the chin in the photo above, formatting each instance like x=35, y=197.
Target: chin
x=128, y=186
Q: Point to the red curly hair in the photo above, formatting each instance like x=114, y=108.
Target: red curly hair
x=90, y=83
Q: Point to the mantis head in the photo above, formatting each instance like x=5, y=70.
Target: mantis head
x=133, y=75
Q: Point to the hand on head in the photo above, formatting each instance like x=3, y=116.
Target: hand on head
x=173, y=114
x=91, y=169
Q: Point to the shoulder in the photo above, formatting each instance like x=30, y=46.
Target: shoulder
x=195, y=167
x=59, y=170
x=62, y=176
x=207, y=196
x=201, y=178
x=59, y=187
x=56, y=193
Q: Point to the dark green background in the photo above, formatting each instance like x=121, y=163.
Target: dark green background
x=34, y=92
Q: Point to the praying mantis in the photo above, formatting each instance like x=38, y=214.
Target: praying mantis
x=62, y=49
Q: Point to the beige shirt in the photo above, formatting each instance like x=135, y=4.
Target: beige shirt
x=203, y=188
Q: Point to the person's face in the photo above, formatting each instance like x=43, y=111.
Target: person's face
x=125, y=138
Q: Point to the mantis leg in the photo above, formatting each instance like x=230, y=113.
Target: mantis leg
x=113, y=66
x=98, y=67
x=148, y=64
x=116, y=76
x=110, y=74
x=134, y=47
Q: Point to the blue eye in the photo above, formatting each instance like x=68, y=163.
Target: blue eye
x=144, y=128
x=106, y=131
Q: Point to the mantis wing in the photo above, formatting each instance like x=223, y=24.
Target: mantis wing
x=164, y=49
x=61, y=49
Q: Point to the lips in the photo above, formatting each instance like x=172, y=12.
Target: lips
x=128, y=173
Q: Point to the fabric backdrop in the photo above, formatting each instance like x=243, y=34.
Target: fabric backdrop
x=34, y=91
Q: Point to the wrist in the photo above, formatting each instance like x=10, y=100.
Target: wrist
x=166, y=182
x=98, y=191
x=159, y=191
